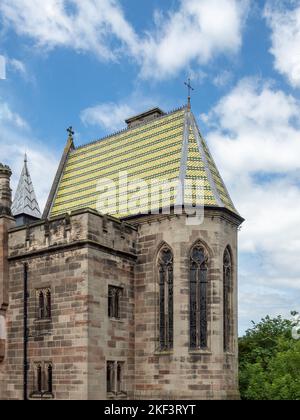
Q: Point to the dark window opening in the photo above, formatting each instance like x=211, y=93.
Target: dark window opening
x=41, y=311
x=120, y=377
x=114, y=302
x=44, y=304
x=227, y=285
x=114, y=377
x=43, y=380
x=50, y=378
x=110, y=377
x=48, y=304
x=39, y=379
x=165, y=267
x=198, y=298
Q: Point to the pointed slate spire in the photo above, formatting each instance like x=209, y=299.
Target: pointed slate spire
x=25, y=205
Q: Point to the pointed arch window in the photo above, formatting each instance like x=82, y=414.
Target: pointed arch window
x=198, y=297
x=227, y=285
x=39, y=379
x=43, y=304
x=50, y=378
x=43, y=380
x=41, y=310
x=165, y=268
x=114, y=302
x=110, y=376
x=48, y=304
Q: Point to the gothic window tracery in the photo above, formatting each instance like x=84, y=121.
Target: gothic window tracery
x=165, y=269
x=43, y=379
x=114, y=301
x=198, y=297
x=114, y=377
x=227, y=285
x=43, y=298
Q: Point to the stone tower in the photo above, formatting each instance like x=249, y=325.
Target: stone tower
x=6, y=222
x=126, y=301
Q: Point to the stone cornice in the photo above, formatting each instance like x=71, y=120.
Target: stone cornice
x=69, y=246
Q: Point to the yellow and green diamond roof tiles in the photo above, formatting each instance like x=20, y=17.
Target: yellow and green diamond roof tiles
x=150, y=151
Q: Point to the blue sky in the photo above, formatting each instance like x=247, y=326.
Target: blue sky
x=93, y=63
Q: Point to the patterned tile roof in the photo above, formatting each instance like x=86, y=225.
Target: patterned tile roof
x=25, y=202
x=168, y=148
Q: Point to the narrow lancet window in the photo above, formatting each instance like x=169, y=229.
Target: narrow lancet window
x=227, y=285
x=165, y=269
x=43, y=304
x=198, y=297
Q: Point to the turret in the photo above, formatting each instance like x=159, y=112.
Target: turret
x=25, y=208
x=5, y=190
x=6, y=222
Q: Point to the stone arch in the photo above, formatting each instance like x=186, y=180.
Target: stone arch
x=159, y=248
x=204, y=244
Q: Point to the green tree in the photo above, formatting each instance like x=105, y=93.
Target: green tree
x=270, y=361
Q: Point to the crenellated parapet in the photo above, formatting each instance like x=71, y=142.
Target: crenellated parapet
x=78, y=229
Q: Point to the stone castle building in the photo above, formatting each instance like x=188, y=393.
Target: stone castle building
x=121, y=304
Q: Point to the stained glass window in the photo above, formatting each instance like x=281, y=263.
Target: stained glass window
x=198, y=297
x=165, y=268
x=227, y=284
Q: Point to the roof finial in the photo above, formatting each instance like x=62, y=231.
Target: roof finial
x=190, y=89
x=71, y=133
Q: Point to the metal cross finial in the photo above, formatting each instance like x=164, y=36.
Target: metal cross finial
x=190, y=89
x=71, y=132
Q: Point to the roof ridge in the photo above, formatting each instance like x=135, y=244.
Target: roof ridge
x=128, y=129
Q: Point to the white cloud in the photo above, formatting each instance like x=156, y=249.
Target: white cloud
x=285, y=25
x=2, y=67
x=11, y=118
x=83, y=26
x=8, y=64
x=256, y=302
x=223, y=79
x=15, y=139
x=18, y=66
x=198, y=31
x=258, y=129
x=195, y=32
x=109, y=116
x=255, y=139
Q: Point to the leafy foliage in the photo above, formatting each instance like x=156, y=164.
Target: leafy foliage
x=270, y=361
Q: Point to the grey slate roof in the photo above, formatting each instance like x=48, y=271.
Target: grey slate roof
x=25, y=202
